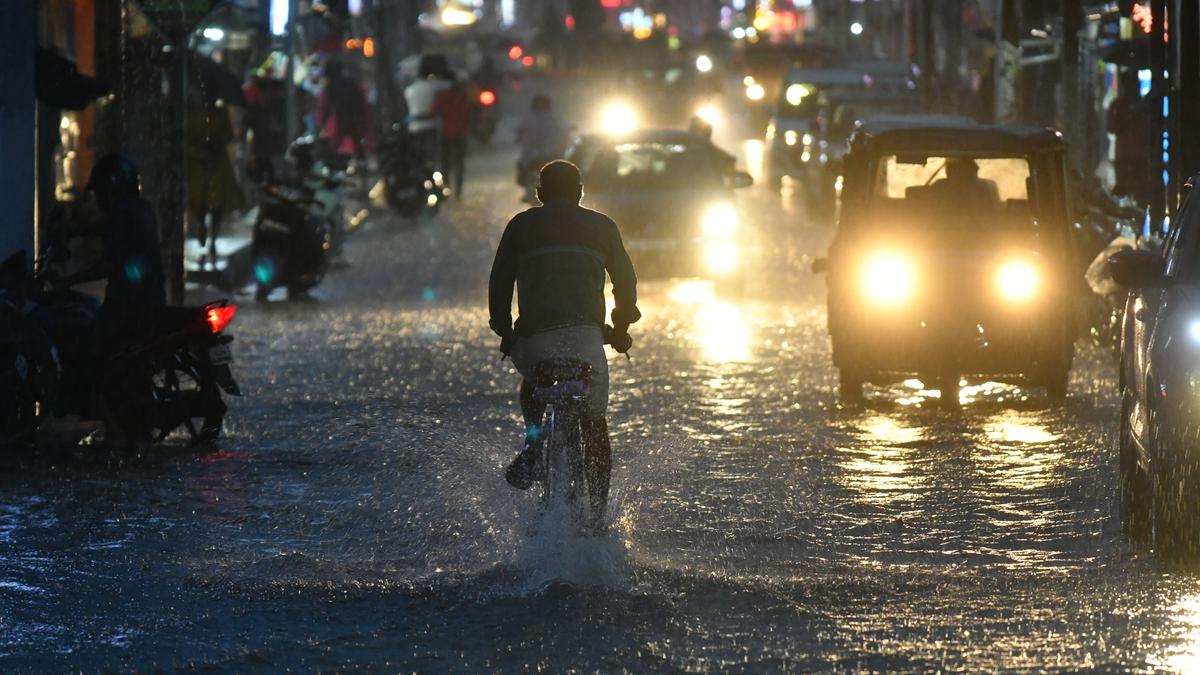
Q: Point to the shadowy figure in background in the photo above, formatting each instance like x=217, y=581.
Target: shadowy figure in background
x=342, y=113
x=131, y=263
x=266, y=101
x=1129, y=120
x=558, y=254
x=544, y=136
x=213, y=190
x=451, y=106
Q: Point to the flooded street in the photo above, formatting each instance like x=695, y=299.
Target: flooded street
x=356, y=513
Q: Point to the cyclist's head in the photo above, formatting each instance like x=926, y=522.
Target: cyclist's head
x=560, y=181
x=541, y=103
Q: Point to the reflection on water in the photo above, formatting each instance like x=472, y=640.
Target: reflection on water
x=1184, y=655
x=1021, y=453
x=720, y=329
x=880, y=465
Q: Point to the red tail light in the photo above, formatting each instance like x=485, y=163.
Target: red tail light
x=487, y=97
x=515, y=52
x=219, y=317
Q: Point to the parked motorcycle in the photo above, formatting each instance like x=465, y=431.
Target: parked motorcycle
x=169, y=372
x=410, y=183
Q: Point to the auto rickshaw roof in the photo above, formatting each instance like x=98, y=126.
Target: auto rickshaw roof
x=933, y=134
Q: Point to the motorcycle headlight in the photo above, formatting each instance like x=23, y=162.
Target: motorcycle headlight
x=1018, y=281
x=888, y=278
x=720, y=220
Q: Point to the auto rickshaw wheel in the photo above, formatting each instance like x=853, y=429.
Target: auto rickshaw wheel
x=850, y=387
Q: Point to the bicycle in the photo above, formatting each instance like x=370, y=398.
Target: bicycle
x=561, y=388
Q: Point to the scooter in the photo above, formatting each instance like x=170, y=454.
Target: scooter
x=410, y=183
x=485, y=116
x=171, y=374
x=296, y=229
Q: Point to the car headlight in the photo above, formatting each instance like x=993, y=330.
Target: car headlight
x=755, y=91
x=1018, y=280
x=720, y=220
x=889, y=278
x=618, y=118
x=791, y=137
x=709, y=113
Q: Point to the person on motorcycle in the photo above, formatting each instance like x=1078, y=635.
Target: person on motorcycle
x=132, y=264
x=544, y=135
x=557, y=255
x=132, y=260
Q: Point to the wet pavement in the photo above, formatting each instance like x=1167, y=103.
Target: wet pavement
x=355, y=513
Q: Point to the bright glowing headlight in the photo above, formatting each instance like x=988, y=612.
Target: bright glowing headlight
x=721, y=220
x=755, y=91
x=1018, y=280
x=618, y=118
x=889, y=278
x=790, y=137
x=709, y=113
x=721, y=257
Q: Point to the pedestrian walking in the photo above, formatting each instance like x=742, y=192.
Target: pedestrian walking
x=452, y=108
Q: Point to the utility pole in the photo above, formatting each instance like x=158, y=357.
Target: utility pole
x=292, y=103
x=1071, y=65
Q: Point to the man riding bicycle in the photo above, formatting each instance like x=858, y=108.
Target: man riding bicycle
x=557, y=255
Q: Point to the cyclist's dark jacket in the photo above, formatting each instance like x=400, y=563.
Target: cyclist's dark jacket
x=557, y=255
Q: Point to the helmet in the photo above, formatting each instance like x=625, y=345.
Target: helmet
x=114, y=175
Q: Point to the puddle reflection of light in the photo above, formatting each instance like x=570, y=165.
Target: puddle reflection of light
x=880, y=466
x=1184, y=655
x=720, y=329
x=1020, y=452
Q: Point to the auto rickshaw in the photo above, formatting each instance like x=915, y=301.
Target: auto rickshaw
x=953, y=258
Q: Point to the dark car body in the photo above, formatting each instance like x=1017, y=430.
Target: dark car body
x=1160, y=380
x=922, y=283
x=669, y=192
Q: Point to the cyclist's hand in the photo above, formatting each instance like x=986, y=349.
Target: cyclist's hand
x=621, y=341
x=506, y=344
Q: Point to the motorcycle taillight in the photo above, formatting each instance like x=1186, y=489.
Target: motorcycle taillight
x=219, y=316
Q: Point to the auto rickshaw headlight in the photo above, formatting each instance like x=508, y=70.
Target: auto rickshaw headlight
x=889, y=278
x=1018, y=280
x=618, y=118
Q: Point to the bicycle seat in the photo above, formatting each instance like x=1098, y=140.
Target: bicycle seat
x=561, y=380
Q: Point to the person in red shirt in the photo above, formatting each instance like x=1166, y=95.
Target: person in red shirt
x=453, y=109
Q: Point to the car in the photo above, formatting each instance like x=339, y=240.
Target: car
x=657, y=95
x=671, y=194
x=816, y=110
x=1160, y=384
x=952, y=258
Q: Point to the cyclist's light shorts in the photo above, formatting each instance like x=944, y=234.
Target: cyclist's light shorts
x=585, y=343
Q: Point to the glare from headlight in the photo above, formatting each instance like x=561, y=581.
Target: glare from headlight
x=808, y=139
x=721, y=258
x=791, y=137
x=721, y=220
x=1018, y=281
x=618, y=118
x=755, y=91
x=795, y=93
x=709, y=113
x=1194, y=331
x=888, y=278
x=704, y=64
